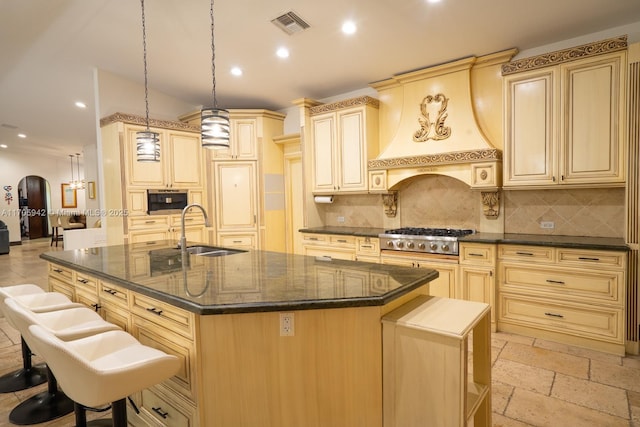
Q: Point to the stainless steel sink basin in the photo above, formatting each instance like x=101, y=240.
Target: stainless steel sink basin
x=212, y=251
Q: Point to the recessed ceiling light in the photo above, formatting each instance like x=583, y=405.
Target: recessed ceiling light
x=22, y=135
x=3, y=145
x=81, y=104
x=236, y=71
x=349, y=27
x=433, y=1
x=282, y=52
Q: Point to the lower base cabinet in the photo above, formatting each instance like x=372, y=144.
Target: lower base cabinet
x=429, y=380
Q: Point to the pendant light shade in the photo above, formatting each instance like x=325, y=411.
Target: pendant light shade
x=147, y=142
x=214, y=121
x=215, y=128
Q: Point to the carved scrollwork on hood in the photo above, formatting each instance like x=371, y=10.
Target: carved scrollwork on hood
x=436, y=129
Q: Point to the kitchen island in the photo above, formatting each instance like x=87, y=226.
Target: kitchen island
x=265, y=338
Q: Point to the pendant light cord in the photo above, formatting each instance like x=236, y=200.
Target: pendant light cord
x=213, y=60
x=144, y=55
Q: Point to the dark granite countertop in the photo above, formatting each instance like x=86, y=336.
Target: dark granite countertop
x=250, y=281
x=601, y=243
x=347, y=231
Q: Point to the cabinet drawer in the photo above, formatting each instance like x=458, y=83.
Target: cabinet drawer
x=64, y=288
x=573, y=284
x=314, y=238
x=191, y=218
x=591, y=259
x=342, y=241
x=90, y=299
x=113, y=294
x=166, y=315
x=147, y=222
x=471, y=253
x=86, y=282
x=158, y=410
x=330, y=252
x=238, y=241
x=526, y=253
x=368, y=246
x=158, y=337
x=587, y=321
x=61, y=273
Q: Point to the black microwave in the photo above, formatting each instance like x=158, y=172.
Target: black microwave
x=164, y=202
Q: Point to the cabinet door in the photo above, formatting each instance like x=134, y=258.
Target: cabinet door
x=244, y=141
x=478, y=284
x=235, y=195
x=324, y=152
x=143, y=174
x=530, y=128
x=593, y=96
x=352, y=158
x=184, y=155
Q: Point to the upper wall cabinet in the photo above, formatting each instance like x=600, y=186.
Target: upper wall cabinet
x=243, y=144
x=180, y=164
x=344, y=138
x=564, y=124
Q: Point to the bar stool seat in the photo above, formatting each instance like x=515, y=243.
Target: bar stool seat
x=29, y=376
x=104, y=368
x=68, y=324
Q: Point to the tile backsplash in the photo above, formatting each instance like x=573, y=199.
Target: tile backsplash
x=584, y=212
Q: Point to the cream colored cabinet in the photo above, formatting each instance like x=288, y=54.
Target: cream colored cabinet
x=367, y=249
x=428, y=375
x=478, y=275
x=180, y=164
x=62, y=280
x=243, y=144
x=329, y=246
x=575, y=296
x=236, y=199
x=565, y=124
x=344, y=138
x=444, y=286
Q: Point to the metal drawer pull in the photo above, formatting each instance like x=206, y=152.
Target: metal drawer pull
x=237, y=241
x=367, y=246
x=524, y=253
x=558, y=282
x=57, y=270
x=151, y=243
x=554, y=315
x=96, y=306
x=84, y=281
x=158, y=411
x=313, y=238
x=110, y=291
x=150, y=221
x=155, y=310
x=584, y=258
x=342, y=241
x=472, y=254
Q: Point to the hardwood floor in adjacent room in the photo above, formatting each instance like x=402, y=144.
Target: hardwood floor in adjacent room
x=535, y=382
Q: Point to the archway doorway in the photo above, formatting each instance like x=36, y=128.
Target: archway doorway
x=33, y=193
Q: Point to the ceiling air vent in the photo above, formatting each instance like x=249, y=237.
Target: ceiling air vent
x=290, y=23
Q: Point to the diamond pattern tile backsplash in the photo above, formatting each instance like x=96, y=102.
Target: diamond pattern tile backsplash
x=586, y=212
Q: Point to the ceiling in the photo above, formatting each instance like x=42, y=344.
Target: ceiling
x=51, y=48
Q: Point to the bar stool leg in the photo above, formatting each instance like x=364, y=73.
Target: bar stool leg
x=27, y=377
x=45, y=406
x=119, y=413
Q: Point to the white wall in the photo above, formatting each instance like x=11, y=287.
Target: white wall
x=15, y=166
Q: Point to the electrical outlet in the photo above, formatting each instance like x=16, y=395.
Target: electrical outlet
x=340, y=219
x=547, y=224
x=286, y=325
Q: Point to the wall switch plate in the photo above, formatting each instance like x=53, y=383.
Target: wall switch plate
x=286, y=325
x=340, y=219
x=547, y=224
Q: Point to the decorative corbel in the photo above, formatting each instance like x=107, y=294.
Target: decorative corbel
x=390, y=202
x=491, y=204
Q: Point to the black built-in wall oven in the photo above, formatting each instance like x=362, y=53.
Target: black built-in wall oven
x=164, y=202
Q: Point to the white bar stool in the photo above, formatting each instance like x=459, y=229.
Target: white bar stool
x=29, y=376
x=68, y=324
x=104, y=368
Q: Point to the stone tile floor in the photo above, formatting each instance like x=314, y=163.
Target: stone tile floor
x=535, y=382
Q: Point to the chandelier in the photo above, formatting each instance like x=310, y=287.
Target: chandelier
x=76, y=184
x=214, y=120
x=147, y=142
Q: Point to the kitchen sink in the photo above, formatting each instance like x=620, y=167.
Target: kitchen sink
x=202, y=250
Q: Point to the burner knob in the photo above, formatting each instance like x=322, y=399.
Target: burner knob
x=390, y=243
x=410, y=245
x=421, y=246
x=433, y=246
x=445, y=247
x=400, y=244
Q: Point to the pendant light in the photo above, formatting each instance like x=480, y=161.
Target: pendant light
x=214, y=120
x=79, y=182
x=147, y=142
x=72, y=183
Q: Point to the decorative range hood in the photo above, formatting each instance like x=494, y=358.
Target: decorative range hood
x=430, y=123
